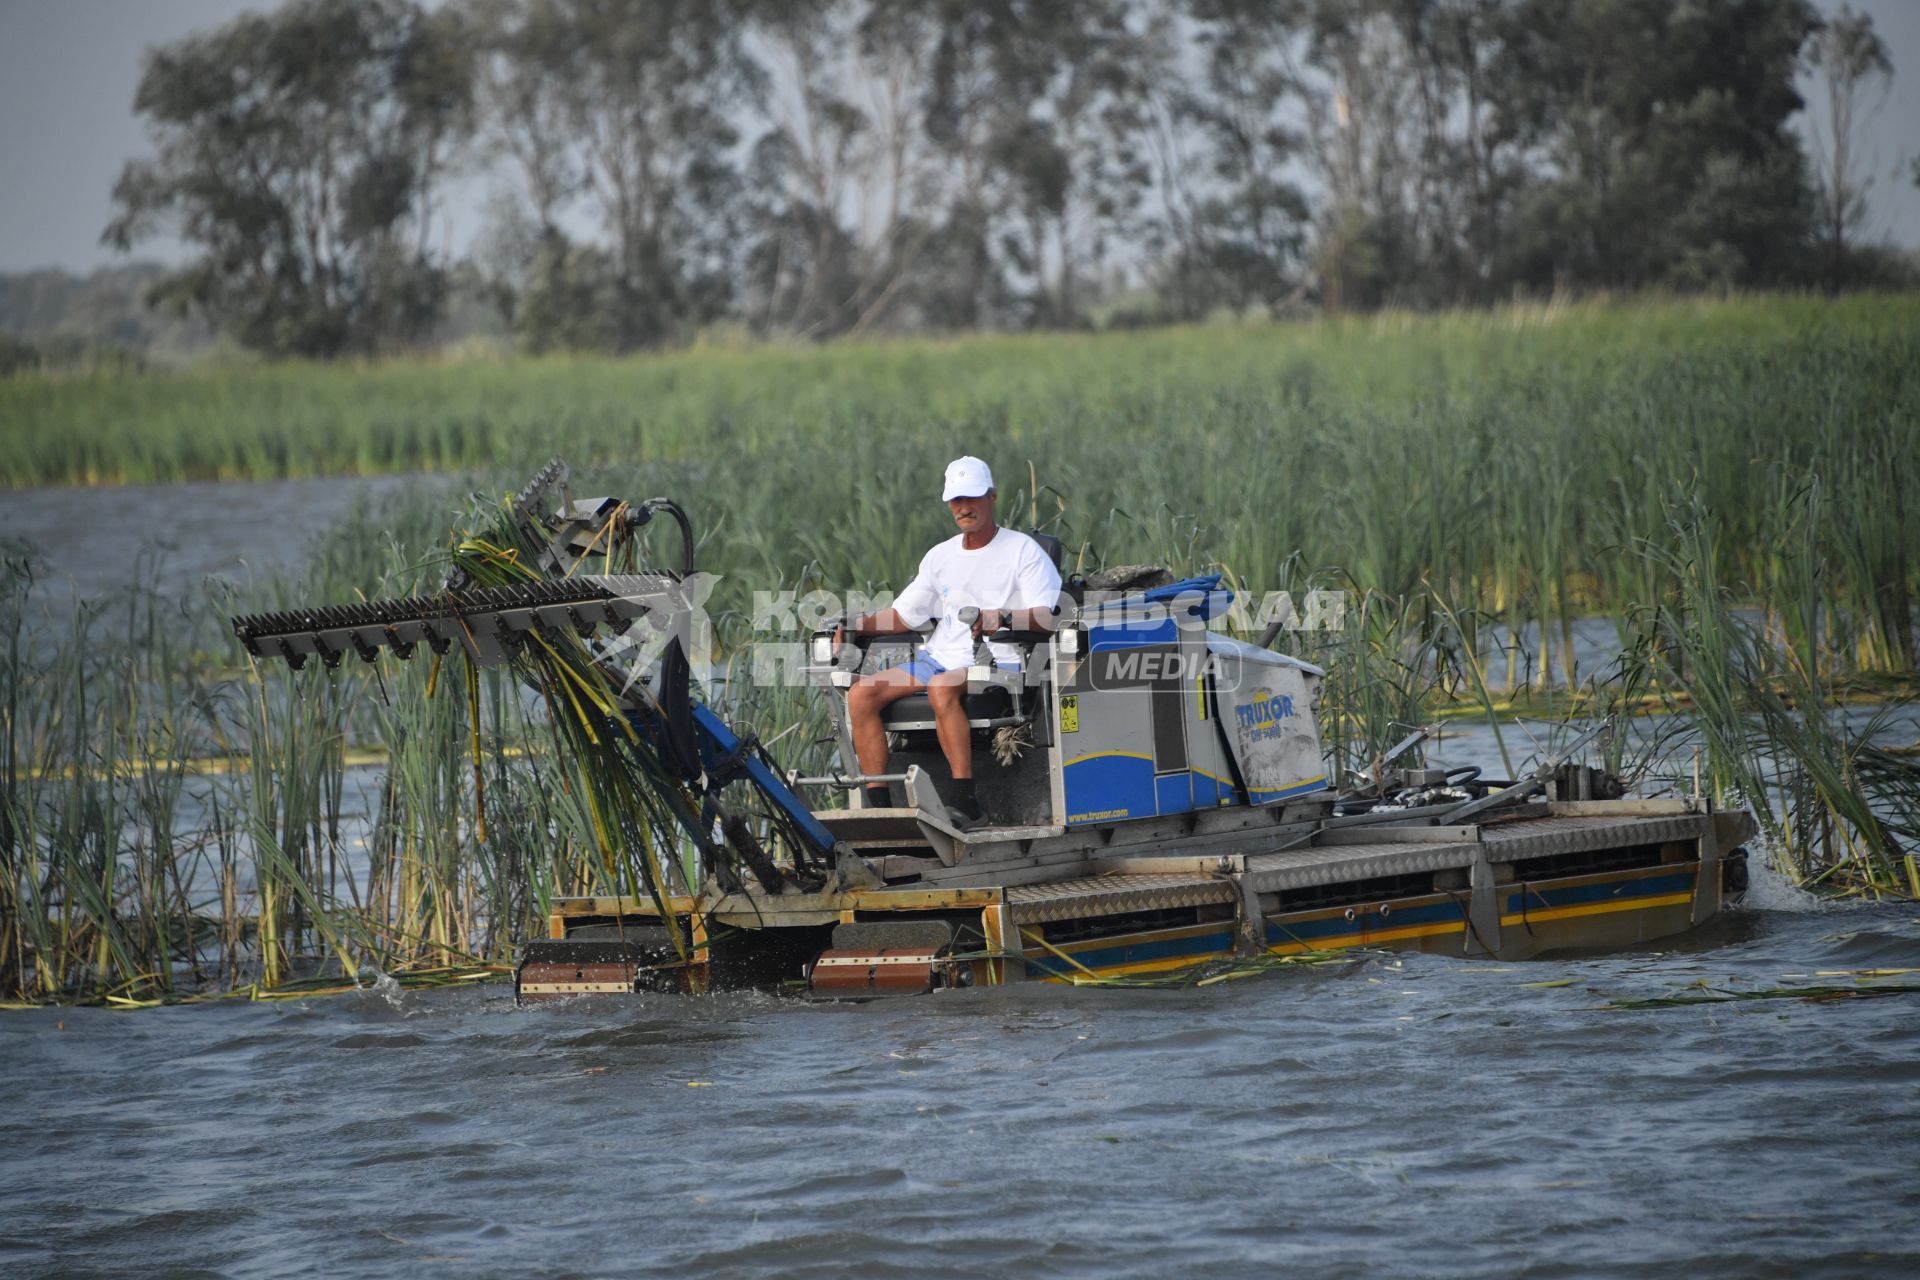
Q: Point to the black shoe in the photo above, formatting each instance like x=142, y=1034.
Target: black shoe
x=965, y=813
x=963, y=805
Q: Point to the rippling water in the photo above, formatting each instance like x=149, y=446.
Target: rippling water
x=91, y=542
x=1406, y=1115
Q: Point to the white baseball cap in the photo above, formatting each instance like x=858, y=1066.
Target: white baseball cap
x=967, y=477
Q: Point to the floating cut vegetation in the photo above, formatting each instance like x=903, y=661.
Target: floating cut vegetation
x=1867, y=984
x=1727, y=485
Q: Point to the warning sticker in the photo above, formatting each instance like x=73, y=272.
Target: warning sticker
x=1070, y=713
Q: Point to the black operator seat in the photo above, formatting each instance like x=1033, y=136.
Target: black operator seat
x=1051, y=545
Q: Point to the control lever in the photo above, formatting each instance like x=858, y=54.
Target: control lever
x=1526, y=787
x=968, y=616
x=1376, y=780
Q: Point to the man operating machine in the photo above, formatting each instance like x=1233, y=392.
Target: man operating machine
x=975, y=583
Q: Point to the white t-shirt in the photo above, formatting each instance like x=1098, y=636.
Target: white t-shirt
x=1010, y=572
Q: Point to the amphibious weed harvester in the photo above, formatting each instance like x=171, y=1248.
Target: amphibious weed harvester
x=1156, y=803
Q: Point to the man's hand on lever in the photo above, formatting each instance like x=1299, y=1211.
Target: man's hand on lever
x=884, y=623
x=986, y=622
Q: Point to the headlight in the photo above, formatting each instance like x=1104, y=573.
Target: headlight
x=1070, y=641
x=823, y=650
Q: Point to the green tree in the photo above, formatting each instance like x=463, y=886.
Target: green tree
x=653, y=91
x=1852, y=65
x=1407, y=134
x=1664, y=132
x=300, y=151
x=807, y=265
x=1249, y=216
x=549, y=291
x=1037, y=109
x=961, y=282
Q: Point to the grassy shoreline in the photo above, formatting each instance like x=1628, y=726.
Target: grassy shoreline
x=226, y=421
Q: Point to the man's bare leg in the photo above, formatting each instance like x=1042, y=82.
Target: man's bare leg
x=947, y=693
x=865, y=701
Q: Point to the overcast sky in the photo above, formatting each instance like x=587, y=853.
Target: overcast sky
x=68, y=69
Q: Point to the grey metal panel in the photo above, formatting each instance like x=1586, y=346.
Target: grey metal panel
x=1411, y=834
x=1226, y=830
x=985, y=837
x=1458, y=854
x=1303, y=868
x=1178, y=832
x=1270, y=869
x=1483, y=911
x=1630, y=806
x=1706, y=884
x=1113, y=894
x=1734, y=827
x=1250, y=935
x=895, y=826
x=1252, y=653
x=1062, y=857
x=1170, y=865
x=1547, y=837
x=996, y=870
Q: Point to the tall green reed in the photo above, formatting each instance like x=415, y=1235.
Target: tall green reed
x=1841, y=808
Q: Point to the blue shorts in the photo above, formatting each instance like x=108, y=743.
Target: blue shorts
x=921, y=668
x=924, y=669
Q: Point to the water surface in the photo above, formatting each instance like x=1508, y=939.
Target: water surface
x=90, y=542
x=1398, y=1115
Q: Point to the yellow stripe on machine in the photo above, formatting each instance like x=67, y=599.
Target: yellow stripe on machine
x=1598, y=908
x=1128, y=970
x=1340, y=941
x=1102, y=755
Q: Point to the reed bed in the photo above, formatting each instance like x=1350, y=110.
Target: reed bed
x=1727, y=483
x=1498, y=458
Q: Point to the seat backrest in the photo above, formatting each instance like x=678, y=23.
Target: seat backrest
x=1051, y=545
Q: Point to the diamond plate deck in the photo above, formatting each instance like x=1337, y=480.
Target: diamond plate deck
x=1113, y=894
x=1520, y=841
x=1303, y=868
x=1546, y=837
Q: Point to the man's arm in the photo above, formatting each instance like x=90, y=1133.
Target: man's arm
x=919, y=597
x=887, y=622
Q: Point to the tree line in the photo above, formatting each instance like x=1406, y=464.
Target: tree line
x=830, y=167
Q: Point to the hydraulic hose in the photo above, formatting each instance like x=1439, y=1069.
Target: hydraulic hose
x=676, y=693
x=644, y=512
